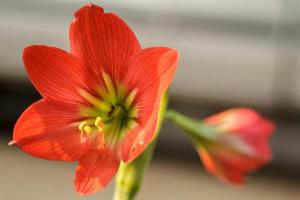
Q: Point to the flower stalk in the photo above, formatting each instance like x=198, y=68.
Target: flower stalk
x=130, y=175
x=196, y=129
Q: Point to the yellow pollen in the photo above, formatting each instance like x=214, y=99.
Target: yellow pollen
x=82, y=125
x=99, y=124
x=85, y=127
x=88, y=129
x=98, y=121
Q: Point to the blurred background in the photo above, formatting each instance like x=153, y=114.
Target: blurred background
x=233, y=53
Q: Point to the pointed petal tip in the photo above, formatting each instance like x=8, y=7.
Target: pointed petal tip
x=168, y=51
x=30, y=47
x=30, y=50
x=174, y=53
x=26, y=50
x=171, y=54
x=87, y=7
x=13, y=142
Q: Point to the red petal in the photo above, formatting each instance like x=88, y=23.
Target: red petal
x=56, y=74
x=244, y=147
x=249, y=126
x=137, y=140
x=257, y=135
x=228, y=166
x=45, y=130
x=102, y=40
x=237, y=119
x=150, y=72
x=95, y=170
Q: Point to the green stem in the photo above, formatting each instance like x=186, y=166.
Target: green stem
x=130, y=176
x=209, y=136
x=195, y=129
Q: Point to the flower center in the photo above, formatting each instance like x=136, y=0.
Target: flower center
x=111, y=113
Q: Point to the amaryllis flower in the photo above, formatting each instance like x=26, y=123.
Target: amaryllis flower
x=100, y=101
x=238, y=144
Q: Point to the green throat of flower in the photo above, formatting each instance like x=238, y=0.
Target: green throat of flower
x=111, y=113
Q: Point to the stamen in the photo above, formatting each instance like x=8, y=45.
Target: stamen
x=130, y=98
x=88, y=129
x=81, y=125
x=85, y=126
x=133, y=113
x=99, y=124
x=102, y=105
x=89, y=112
x=103, y=93
x=110, y=87
x=121, y=91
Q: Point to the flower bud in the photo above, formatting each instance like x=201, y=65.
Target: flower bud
x=231, y=143
x=241, y=144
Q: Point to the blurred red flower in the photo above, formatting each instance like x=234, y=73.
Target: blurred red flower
x=240, y=145
x=100, y=102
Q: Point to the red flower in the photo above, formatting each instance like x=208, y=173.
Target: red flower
x=239, y=146
x=100, y=102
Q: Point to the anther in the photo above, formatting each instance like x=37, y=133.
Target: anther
x=82, y=125
x=85, y=127
x=88, y=129
x=99, y=124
